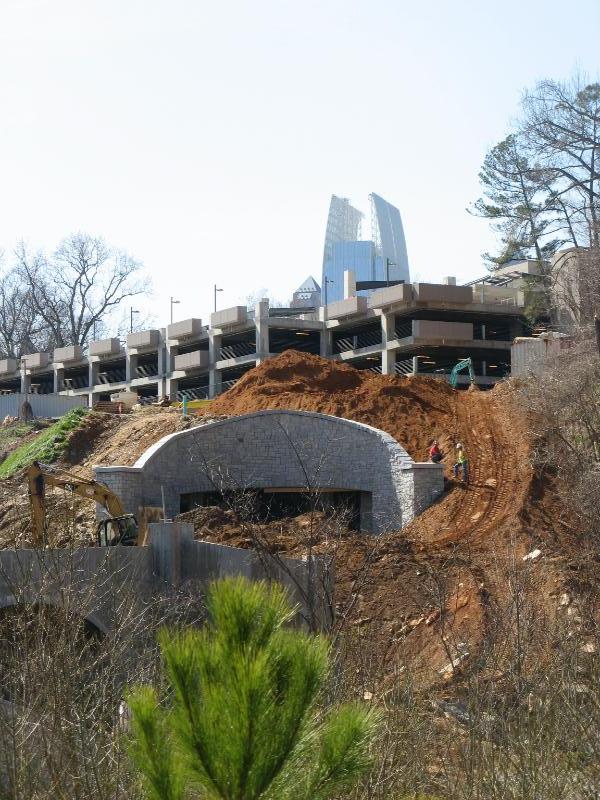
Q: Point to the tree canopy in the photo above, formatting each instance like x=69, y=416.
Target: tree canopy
x=64, y=298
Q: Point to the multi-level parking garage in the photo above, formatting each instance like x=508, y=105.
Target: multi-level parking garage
x=403, y=329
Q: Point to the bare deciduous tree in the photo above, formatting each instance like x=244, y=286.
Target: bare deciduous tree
x=562, y=127
x=542, y=190
x=83, y=282
x=21, y=329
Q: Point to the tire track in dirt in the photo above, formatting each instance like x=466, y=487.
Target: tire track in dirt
x=496, y=488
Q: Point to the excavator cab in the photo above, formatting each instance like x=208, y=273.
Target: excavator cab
x=117, y=529
x=121, y=530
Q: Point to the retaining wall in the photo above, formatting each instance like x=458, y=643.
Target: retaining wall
x=95, y=582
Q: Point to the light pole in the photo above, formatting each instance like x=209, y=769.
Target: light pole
x=216, y=290
x=132, y=311
x=173, y=303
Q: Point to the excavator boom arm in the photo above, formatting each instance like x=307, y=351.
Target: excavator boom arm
x=466, y=363
x=39, y=475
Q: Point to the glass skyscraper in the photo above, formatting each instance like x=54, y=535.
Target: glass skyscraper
x=381, y=258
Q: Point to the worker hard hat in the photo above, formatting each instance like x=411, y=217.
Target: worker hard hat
x=458, y=446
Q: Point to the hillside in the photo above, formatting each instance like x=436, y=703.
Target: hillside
x=428, y=593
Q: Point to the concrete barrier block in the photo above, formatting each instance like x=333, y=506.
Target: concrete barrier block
x=63, y=355
x=197, y=359
x=434, y=329
x=143, y=339
x=105, y=347
x=185, y=329
x=8, y=366
x=402, y=293
x=346, y=308
x=440, y=293
x=36, y=360
x=229, y=316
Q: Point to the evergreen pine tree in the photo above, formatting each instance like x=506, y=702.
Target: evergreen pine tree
x=241, y=720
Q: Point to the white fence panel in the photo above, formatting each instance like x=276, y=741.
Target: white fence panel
x=43, y=405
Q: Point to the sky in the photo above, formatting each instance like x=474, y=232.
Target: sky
x=206, y=138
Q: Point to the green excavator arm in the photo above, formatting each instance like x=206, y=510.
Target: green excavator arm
x=466, y=363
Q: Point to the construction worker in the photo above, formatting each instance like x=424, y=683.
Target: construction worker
x=462, y=463
x=435, y=454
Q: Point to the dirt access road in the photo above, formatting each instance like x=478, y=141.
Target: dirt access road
x=500, y=473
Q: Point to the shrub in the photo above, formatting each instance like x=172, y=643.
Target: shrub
x=243, y=720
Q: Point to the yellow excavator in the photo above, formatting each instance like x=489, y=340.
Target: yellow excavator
x=117, y=529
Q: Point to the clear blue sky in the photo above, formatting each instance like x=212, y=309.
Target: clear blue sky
x=207, y=137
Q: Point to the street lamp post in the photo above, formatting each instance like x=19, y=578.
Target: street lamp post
x=173, y=303
x=132, y=311
x=216, y=290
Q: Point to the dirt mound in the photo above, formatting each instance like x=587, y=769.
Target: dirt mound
x=385, y=587
x=113, y=439
x=413, y=410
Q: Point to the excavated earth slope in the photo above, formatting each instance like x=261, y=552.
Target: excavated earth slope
x=432, y=592
x=426, y=594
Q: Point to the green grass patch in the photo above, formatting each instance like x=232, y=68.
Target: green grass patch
x=47, y=445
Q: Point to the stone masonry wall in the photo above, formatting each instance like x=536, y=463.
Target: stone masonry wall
x=282, y=449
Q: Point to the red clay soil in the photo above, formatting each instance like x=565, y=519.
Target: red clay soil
x=423, y=594
x=427, y=592
x=414, y=410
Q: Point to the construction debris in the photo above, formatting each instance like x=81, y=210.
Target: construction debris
x=533, y=556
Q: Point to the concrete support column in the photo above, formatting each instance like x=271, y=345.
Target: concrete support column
x=349, y=283
x=388, y=357
x=326, y=342
x=131, y=361
x=25, y=381
x=168, y=542
x=261, y=322
x=162, y=365
x=59, y=377
x=214, y=348
x=93, y=380
x=215, y=379
x=171, y=388
x=415, y=365
x=484, y=368
x=215, y=382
